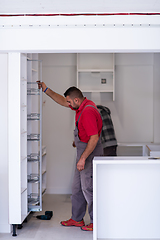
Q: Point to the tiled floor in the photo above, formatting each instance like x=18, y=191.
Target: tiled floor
x=51, y=229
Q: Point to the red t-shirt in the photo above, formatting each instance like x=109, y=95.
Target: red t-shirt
x=90, y=122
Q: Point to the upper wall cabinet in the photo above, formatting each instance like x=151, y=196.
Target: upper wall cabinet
x=96, y=72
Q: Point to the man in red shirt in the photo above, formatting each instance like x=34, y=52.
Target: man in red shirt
x=88, y=126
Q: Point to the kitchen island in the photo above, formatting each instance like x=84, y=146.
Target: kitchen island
x=126, y=198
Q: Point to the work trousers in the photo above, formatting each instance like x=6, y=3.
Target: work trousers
x=82, y=188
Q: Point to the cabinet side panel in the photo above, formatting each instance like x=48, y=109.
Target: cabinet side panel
x=4, y=224
x=14, y=138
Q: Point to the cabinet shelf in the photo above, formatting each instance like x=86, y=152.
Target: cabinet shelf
x=33, y=137
x=33, y=91
x=34, y=70
x=33, y=199
x=90, y=91
x=43, y=190
x=44, y=172
x=33, y=178
x=33, y=116
x=33, y=157
x=32, y=83
x=95, y=70
x=95, y=73
x=43, y=150
x=23, y=158
x=23, y=190
x=43, y=154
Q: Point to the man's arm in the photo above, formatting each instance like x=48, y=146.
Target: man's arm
x=55, y=96
x=89, y=149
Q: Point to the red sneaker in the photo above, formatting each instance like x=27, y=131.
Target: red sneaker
x=71, y=222
x=88, y=227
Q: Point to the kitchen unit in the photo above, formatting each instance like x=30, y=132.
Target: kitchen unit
x=126, y=198
x=27, y=181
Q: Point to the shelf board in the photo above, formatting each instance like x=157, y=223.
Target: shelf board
x=44, y=154
x=32, y=83
x=33, y=116
x=34, y=70
x=95, y=70
x=23, y=158
x=23, y=190
x=33, y=157
x=43, y=190
x=33, y=199
x=90, y=91
x=44, y=172
x=33, y=137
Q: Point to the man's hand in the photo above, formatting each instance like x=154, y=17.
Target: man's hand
x=41, y=85
x=89, y=149
x=80, y=164
x=58, y=98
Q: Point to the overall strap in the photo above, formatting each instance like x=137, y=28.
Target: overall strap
x=82, y=111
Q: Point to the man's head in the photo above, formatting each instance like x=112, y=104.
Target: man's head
x=74, y=97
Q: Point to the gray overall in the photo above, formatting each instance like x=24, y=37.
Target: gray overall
x=82, y=188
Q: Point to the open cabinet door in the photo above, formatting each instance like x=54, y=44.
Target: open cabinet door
x=34, y=133
x=25, y=137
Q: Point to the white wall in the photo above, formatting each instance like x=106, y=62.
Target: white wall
x=59, y=71
x=134, y=97
x=4, y=223
x=71, y=6
x=135, y=112
x=156, y=89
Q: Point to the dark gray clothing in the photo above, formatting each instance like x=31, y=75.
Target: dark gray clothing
x=110, y=151
x=108, y=137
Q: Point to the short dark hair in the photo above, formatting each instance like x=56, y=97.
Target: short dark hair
x=73, y=92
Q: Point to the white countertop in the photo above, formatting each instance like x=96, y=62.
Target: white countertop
x=126, y=160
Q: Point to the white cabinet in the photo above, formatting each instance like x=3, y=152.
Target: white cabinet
x=131, y=149
x=153, y=150
x=17, y=131
x=34, y=135
x=27, y=157
x=126, y=198
x=96, y=72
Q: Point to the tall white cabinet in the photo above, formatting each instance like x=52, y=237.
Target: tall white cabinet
x=17, y=131
x=27, y=157
x=96, y=73
x=34, y=135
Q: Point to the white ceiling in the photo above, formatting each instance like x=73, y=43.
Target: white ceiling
x=78, y=6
